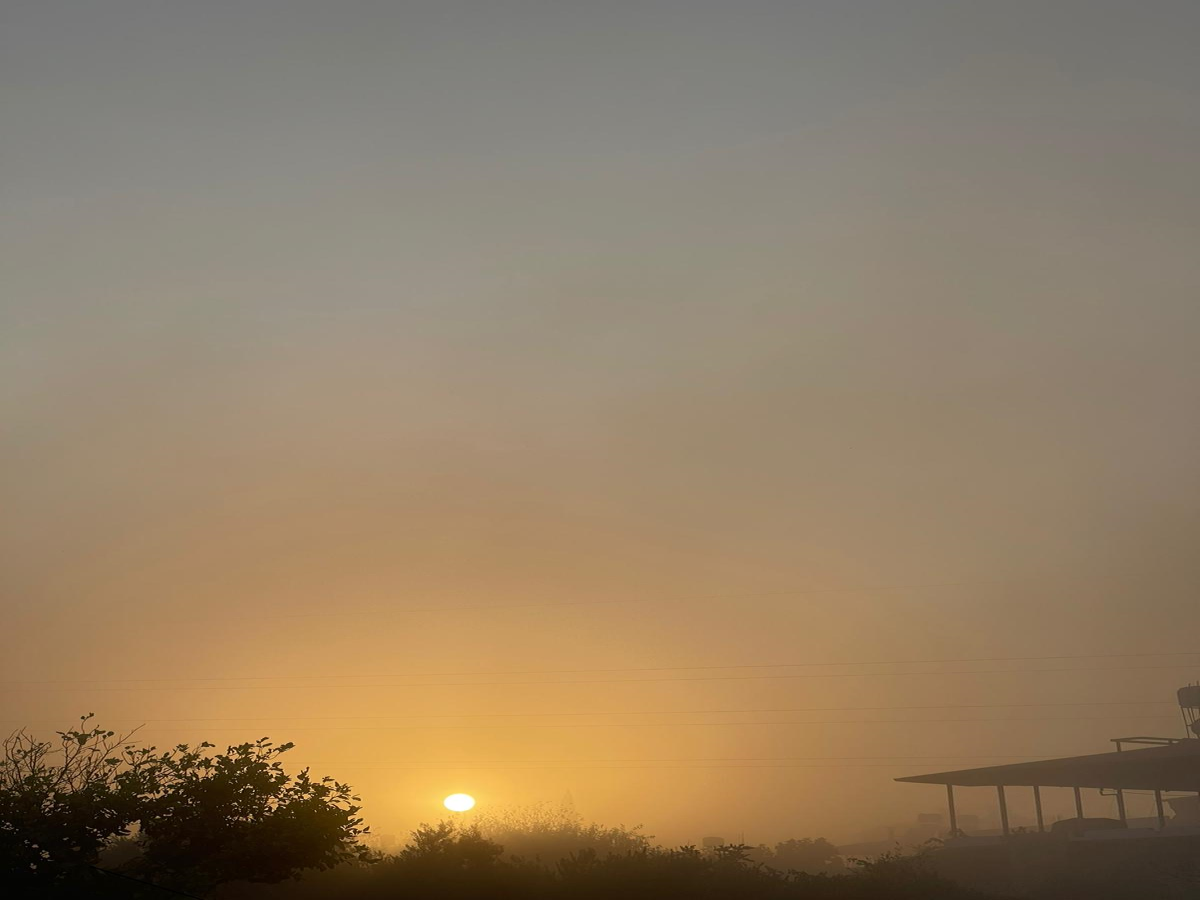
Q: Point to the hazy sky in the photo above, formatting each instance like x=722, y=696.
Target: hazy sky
x=683, y=333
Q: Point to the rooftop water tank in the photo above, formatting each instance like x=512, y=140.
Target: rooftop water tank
x=1189, y=697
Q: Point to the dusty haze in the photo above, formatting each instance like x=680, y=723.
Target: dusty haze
x=678, y=334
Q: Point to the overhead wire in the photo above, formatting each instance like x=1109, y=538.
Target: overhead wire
x=662, y=712
x=674, y=668
x=527, y=725
x=307, y=687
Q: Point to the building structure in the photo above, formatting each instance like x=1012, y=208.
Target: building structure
x=1158, y=765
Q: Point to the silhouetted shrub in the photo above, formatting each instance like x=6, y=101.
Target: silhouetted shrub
x=202, y=817
x=546, y=834
x=449, y=862
x=812, y=856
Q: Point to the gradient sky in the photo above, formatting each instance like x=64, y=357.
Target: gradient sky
x=681, y=333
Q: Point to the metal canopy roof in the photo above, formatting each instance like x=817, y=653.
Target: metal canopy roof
x=1171, y=768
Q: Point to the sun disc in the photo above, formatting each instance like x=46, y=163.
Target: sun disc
x=459, y=802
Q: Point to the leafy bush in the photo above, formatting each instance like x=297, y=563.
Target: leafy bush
x=197, y=817
x=456, y=862
x=812, y=856
x=546, y=834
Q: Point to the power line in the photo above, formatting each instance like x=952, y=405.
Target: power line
x=704, y=759
x=310, y=687
x=686, y=598
x=476, y=673
x=399, y=612
x=699, y=724
x=829, y=768
x=656, y=712
x=394, y=613
x=572, y=768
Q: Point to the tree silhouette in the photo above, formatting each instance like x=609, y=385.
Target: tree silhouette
x=198, y=817
x=812, y=855
x=61, y=802
x=238, y=815
x=545, y=833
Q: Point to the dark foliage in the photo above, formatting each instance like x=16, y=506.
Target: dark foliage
x=197, y=817
x=239, y=815
x=812, y=856
x=541, y=832
x=61, y=802
x=450, y=863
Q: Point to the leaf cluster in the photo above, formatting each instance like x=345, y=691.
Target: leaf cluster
x=198, y=816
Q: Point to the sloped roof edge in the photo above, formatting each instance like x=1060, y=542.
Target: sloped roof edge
x=1175, y=767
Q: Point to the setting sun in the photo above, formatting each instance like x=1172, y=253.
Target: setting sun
x=459, y=802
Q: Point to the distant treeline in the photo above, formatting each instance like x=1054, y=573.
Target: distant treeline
x=91, y=814
x=563, y=859
x=448, y=862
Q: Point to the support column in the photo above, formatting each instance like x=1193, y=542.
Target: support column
x=1003, y=809
x=1158, y=805
x=1121, y=806
x=953, y=813
x=1078, y=804
x=1037, y=806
